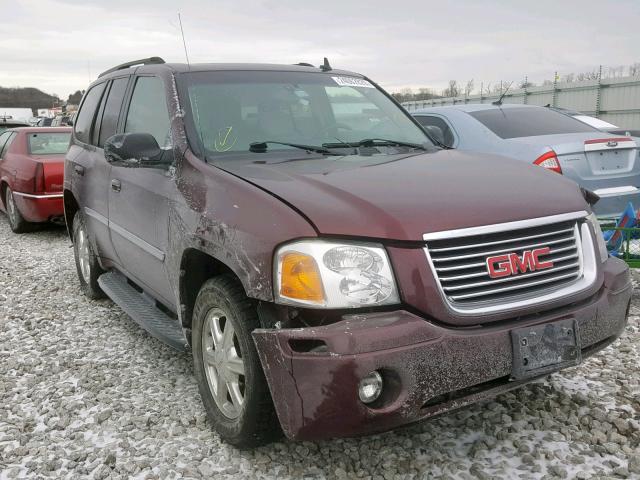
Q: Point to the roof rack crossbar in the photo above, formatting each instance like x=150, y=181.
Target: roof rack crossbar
x=142, y=61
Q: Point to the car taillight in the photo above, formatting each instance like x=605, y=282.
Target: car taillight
x=549, y=161
x=39, y=178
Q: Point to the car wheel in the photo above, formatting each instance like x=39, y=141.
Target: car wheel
x=87, y=264
x=226, y=364
x=16, y=221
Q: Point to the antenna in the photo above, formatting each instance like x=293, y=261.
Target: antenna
x=184, y=43
x=499, y=101
x=325, y=67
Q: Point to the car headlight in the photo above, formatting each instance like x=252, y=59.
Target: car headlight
x=602, y=246
x=324, y=274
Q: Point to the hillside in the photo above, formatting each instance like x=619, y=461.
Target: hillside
x=26, y=97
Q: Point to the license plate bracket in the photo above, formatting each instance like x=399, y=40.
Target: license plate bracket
x=541, y=349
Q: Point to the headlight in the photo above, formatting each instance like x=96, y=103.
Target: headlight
x=602, y=246
x=323, y=274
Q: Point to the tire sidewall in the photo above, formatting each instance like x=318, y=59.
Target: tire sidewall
x=231, y=430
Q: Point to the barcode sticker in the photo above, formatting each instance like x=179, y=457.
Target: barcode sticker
x=352, y=82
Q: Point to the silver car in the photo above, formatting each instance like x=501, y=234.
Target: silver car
x=604, y=163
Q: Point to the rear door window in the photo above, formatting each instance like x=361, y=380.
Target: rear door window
x=111, y=113
x=528, y=122
x=87, y=114
x=430, y=122
x=148, y=111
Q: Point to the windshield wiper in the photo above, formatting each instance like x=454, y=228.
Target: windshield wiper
x=375, y=142
x=261, y=147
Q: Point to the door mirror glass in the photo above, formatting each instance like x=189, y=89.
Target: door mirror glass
x=136, y=150
x=436, y=133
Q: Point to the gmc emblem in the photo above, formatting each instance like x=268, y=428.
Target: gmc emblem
x=513, y=264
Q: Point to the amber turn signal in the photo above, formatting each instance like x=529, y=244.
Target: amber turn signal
x=300, y=278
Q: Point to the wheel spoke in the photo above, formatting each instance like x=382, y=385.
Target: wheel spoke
x=216, y=332
x=221, y=393
x=227, y=340
x=210, y=357
x=235, y=363
x=236, y=396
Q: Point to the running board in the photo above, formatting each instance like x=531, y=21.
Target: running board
x=142, y=309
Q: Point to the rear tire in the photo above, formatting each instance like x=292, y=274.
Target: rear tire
x=87, y=264
x=238, y=405
x=16, y=221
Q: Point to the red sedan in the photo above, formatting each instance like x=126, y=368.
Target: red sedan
x=31, y=173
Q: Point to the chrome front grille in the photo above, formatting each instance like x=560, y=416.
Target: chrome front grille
x=459, y=261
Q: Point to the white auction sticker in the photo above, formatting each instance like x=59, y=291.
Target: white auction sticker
x=352, y=82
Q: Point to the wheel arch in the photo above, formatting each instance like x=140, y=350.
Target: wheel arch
x=71, y=207
x=196, y=267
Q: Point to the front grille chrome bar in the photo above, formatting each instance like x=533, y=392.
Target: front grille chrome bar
x=458, y=260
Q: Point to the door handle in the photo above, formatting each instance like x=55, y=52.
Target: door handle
x=116, y=185
x=79, y=169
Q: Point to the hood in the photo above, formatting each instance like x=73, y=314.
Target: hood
x=402, y=197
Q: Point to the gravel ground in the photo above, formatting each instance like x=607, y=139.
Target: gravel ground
x=85, y=393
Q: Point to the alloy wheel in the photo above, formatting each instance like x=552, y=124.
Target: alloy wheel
x=223, y=363
x=84, y=257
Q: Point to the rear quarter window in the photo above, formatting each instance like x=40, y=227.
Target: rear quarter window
x=528, y=122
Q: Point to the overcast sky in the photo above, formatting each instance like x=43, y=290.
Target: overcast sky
x=60, y=46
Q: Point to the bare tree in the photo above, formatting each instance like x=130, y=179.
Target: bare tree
x=468, y=88
x=452, y=90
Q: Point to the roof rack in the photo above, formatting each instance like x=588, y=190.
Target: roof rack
x=142, y=61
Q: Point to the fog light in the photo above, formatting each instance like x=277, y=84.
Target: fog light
x=370, y=387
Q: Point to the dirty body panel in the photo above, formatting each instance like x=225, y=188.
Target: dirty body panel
x=427, y=368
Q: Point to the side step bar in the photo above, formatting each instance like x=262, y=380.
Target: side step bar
x=143, y=310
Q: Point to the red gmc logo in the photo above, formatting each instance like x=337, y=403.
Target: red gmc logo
x=513, y=264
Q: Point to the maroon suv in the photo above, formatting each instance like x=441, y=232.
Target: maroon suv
x=334, y=271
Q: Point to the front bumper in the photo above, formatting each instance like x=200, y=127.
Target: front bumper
x=428, y=368
x=39, y=207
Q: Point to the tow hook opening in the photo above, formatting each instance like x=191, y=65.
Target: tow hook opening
x=308, y=345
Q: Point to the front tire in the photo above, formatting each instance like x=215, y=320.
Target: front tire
x=16, y=221
x=230, y=378
x=87, y=264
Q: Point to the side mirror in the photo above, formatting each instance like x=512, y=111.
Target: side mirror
x=135, y=150
x=435, y=132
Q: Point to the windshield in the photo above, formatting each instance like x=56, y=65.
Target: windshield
x=231, y=110
x=514, y=122
x=48, y=143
